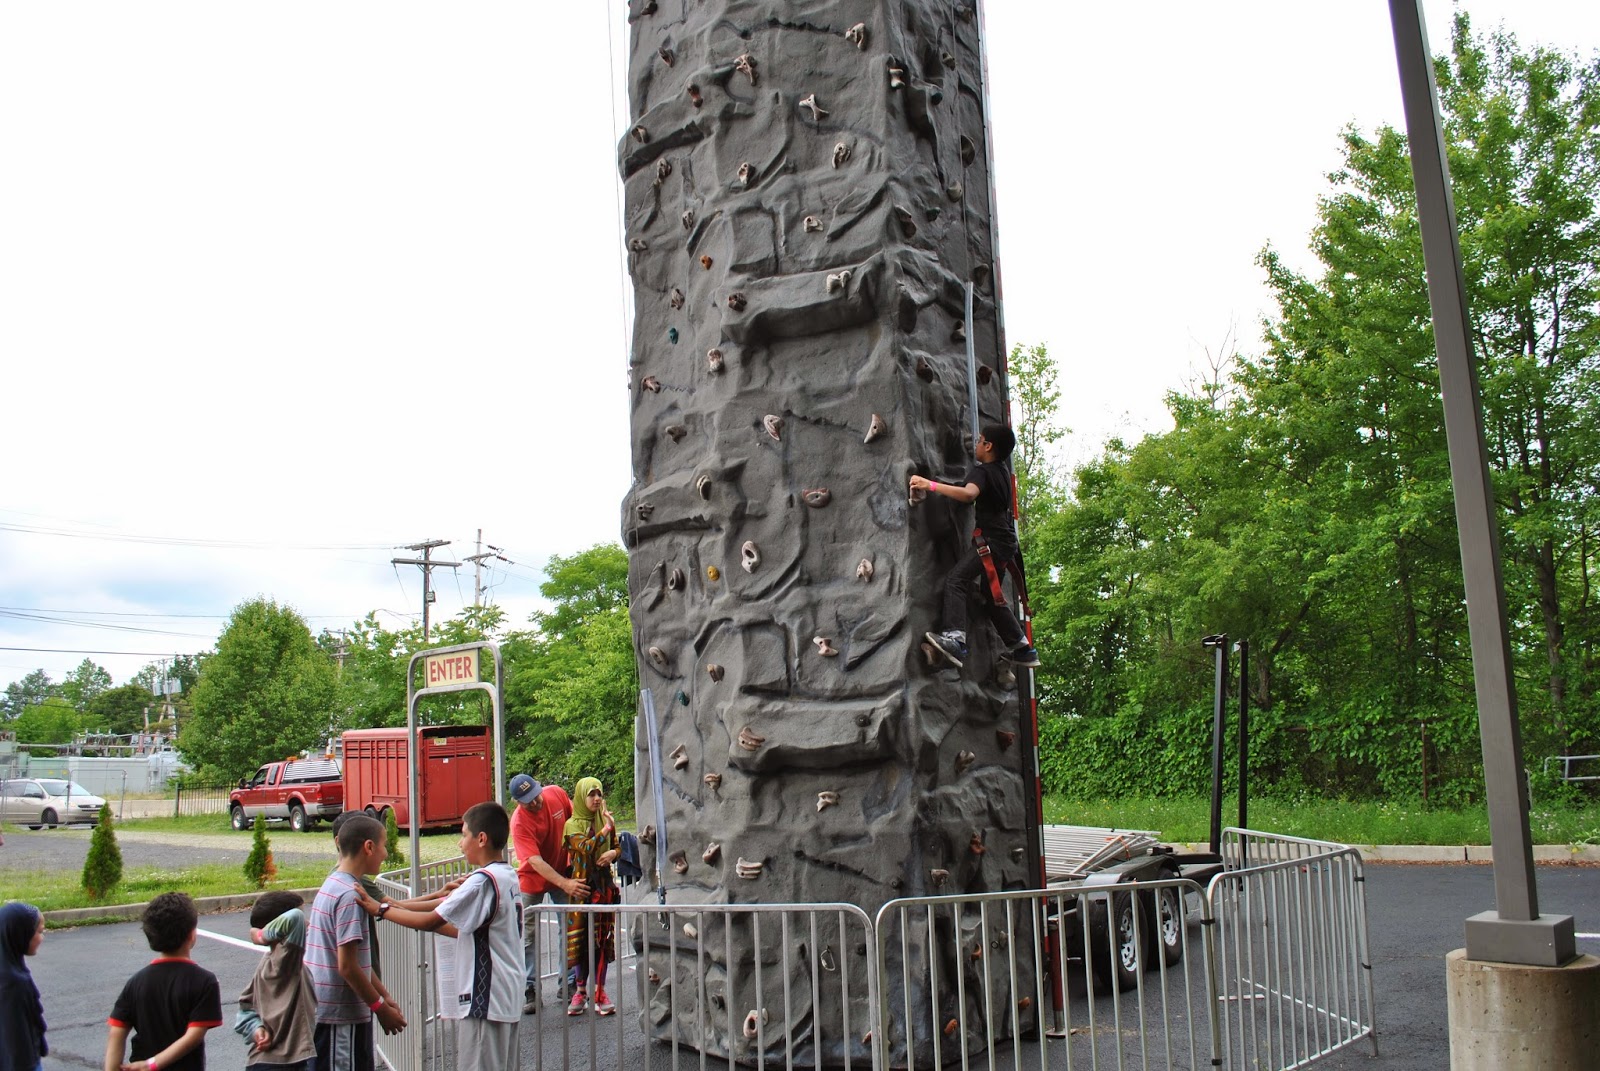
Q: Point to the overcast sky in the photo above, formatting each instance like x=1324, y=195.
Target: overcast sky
x=285, y=286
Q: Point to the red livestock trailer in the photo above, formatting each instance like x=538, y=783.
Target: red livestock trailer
x=455, y=770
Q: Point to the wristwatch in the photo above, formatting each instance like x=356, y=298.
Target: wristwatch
x=383, y=908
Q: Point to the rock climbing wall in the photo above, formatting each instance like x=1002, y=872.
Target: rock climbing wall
x=807, y=202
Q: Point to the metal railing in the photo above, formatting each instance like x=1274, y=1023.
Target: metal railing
x=1269, y=971
x=1291, y=972
x=201, y=799
x=1567, y=762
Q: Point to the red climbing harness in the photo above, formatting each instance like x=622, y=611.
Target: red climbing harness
x=1012, y=565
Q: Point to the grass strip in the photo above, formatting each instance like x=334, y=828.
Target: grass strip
x=1188, y=819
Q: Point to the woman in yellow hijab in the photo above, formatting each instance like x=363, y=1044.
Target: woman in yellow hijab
x=591, y=840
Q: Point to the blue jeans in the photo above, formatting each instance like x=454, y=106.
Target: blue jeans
x=530, y=957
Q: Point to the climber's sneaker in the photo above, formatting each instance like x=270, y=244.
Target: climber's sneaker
x=953, y=645
x=602, y=1003
x=1024, y=655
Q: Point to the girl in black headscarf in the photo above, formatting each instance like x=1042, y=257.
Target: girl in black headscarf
x=22, y=1044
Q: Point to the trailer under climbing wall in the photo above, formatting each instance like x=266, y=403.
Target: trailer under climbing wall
x=807, y=201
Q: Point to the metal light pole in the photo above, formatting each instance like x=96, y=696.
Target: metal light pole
x=1514, y=932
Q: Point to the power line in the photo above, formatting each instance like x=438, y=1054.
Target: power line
x=68, y=622
x=132, y=613
x=428, y=565
x=182, y=541
x=79, y=650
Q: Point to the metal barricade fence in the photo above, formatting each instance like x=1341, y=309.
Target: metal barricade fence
x=1291, y=971
x=1272, y=972
x=762, y=985
x=1108, y=970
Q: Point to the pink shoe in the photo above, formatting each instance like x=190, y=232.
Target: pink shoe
x=579, y=1003
x=602, y=1003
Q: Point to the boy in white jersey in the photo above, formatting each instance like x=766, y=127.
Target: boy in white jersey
x=484, y=916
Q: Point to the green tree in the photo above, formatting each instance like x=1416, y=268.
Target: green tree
x=1304, y=502
x=53, y=721
x=122, y=709
x=1032, y=379
x=84, y=684
x=30, y=691
x=268, y=691
x=102, y=868
x=572, y=684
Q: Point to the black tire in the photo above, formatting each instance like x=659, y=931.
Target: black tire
x=371, y=812
x=1118, y=950
x=237, y=819
x=49, y=818
x=298, y=821
x=32, y=826
x=1163, y=922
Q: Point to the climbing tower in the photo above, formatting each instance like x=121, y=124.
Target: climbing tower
x=809, y=229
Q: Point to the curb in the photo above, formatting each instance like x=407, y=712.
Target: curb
x=1543, y=854
x=205, y=905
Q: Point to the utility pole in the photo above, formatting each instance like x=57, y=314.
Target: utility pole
x=341, y=648
x=427, y=565
x=477, y=561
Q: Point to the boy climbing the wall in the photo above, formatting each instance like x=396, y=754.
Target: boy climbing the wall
x=994, y=550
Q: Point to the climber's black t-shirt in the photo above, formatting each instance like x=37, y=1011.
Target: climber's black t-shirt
x=992, y=510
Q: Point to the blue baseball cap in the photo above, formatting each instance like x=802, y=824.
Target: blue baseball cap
x=524, y=788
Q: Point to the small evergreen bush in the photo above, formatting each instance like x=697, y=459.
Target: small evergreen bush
x=391, y=840
x=102, y=870
x=259, y=867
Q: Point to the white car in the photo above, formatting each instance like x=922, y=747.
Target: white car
x=47, y=801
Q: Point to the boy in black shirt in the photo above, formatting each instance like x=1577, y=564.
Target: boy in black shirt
x=169, y=1004
x=988, y=484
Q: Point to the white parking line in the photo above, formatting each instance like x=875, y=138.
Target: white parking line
x=225, y=939
x=1589, y=936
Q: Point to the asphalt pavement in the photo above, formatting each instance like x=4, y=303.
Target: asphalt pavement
x=1415, y=911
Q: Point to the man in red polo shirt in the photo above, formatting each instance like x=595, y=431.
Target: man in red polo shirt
x=536, y=838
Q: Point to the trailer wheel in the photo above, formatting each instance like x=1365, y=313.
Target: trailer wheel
x=236, y=814
x=1117, y=952
x=297, y=818
x=1163, y=920
x=371, y=812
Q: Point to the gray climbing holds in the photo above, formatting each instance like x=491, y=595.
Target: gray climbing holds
x=645, y=509
x=964, y=761
x=908, y=224
x=638, y=245
x=841, y=153
x=825, y=647
x=736, y=301
x=857, y=35
x=812, y=223
x=969, y=151
x=749, y=871
x=713, y=781
x=837, y=281
x=985, y=374
x=675, y=580
x=864, y=570
x=687, y=219
x=680, y=757
x=702, y=484
x=747, y=172
x=640, y=134
x=939, y=877
x=667, y=55
x=774, y=425
x=1005, y=738
x=715, y=672
x=694, y=95
x=712, y=851
x=746, y=66
x=676, y=432
x=749, y=556
x=897, y=74
x=816, y=497
x=658, y=657
x=875, y=428
x=809, y=102
x=714, y=360
x=680, y=862
x=651, y=384
x=826, y=800
x=663, y=169
x=675, y=299
x=749, y=740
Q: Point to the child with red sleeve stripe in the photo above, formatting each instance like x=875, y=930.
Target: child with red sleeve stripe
x=170, y=1003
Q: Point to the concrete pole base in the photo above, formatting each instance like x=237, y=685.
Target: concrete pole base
x=1509, y=1016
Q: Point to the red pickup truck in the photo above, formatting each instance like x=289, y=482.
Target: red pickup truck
x=301, y=790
